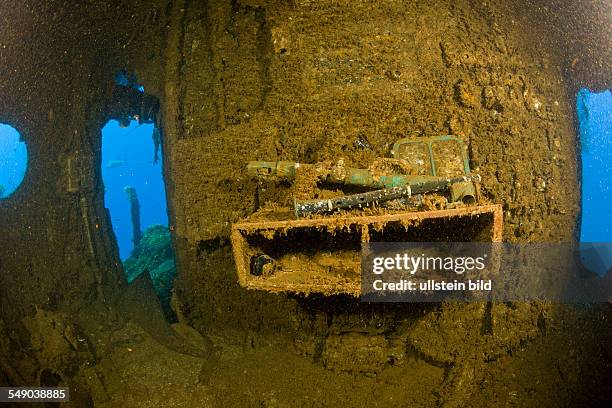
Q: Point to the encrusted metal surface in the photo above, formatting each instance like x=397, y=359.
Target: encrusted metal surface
x=322, y=255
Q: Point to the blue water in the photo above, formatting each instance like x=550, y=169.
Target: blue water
x=595, y=121
x=127, y=159
x=13, y=160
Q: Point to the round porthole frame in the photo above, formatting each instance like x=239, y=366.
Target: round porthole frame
x=21, y=142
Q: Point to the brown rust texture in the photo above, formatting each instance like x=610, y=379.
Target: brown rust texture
x=56, y=62
x=302, y=82
x=305, y=81
x=325, y=257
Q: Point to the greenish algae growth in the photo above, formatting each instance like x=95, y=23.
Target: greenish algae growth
x=154, y=255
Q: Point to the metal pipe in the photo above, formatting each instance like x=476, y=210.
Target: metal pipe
x=307, y=207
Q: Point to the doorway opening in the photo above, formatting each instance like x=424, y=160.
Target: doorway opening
x=594, y=111
x=135, y=195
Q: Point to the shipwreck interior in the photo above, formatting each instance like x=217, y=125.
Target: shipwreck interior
x=224, y=82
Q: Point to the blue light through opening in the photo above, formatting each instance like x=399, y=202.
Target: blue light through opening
x=13, y=160
x=127, y=160
x=594, y=112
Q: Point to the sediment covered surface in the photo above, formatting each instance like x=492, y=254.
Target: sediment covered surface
x=304, y=81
